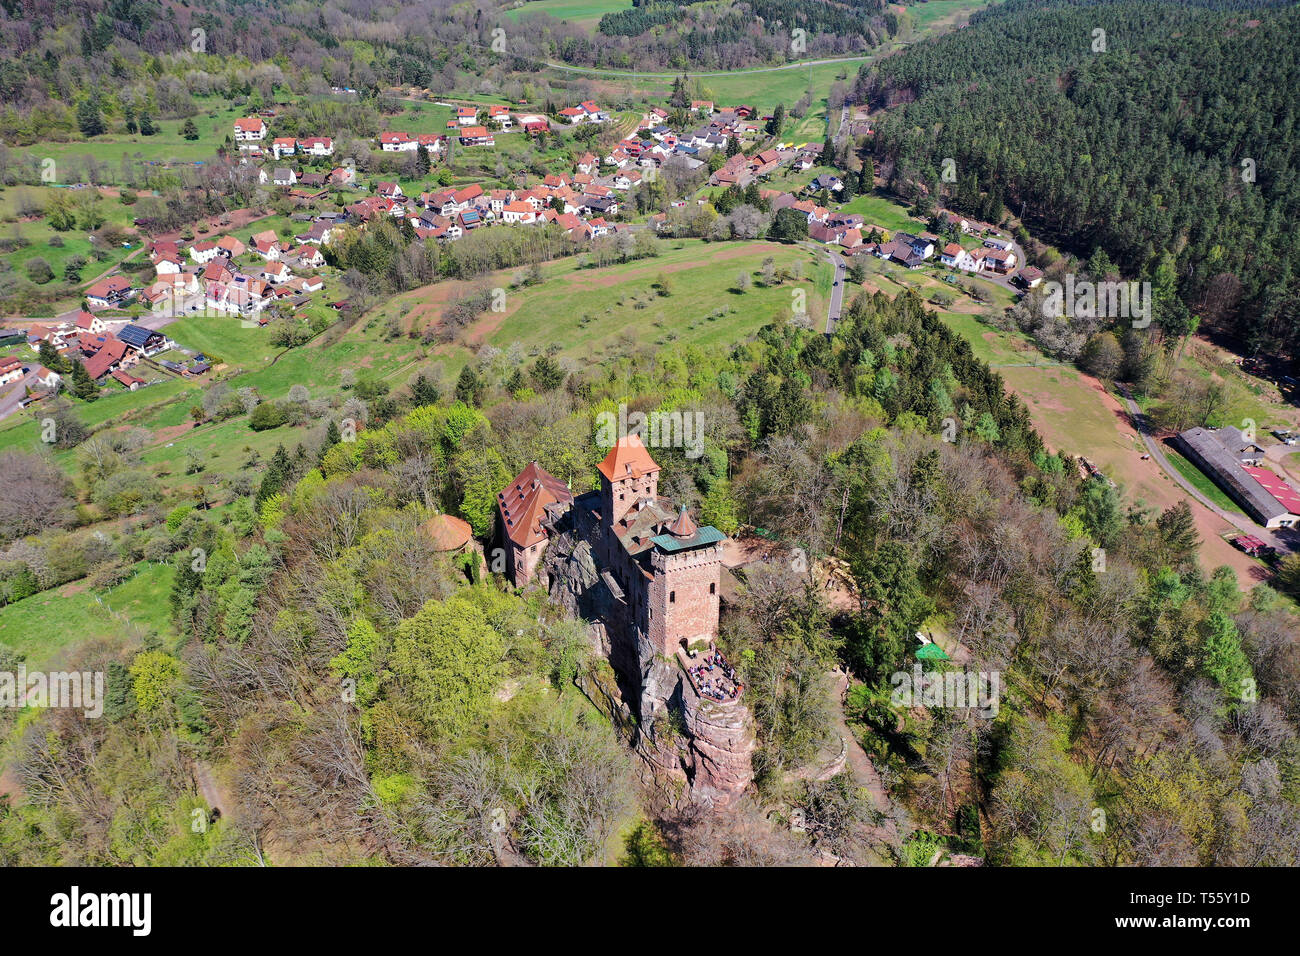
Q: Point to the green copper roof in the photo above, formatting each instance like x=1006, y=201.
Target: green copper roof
x=931, y=652
x=706, y=534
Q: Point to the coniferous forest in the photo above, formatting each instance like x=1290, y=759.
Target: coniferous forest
x=1177, y=134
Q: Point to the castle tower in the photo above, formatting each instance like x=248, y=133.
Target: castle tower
x=627, y=475
x=683, y=598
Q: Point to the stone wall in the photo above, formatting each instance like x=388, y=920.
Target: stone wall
x=684, y=598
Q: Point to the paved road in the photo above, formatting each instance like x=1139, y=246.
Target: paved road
x=1239, y=521
x=13, y=393
x=837, y=291
x=844, y=122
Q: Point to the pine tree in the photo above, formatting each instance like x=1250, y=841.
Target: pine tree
x=1178, y=534
x=679, y=99
x=275, y=476
x=777, y=122
x=424, y=391
x=89, y=120
x=468, y=387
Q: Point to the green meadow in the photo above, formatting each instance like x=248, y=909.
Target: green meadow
x=584, y=13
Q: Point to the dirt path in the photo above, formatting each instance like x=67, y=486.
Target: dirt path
x=863, y=770
x=1090, y=420
x=208, y=788
x=113, y=268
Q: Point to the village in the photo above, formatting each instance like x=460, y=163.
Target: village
x=254, y=275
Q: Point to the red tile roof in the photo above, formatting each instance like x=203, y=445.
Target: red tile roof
x=523, y=504
x=627, y=459
x=447, y=532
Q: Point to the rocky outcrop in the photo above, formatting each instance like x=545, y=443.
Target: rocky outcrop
x=722, y=746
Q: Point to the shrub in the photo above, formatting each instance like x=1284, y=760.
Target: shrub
x=267, y=415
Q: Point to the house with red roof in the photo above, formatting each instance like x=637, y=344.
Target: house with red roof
x=518, y=213
x=250, y=129
x=127, y=379
x=110, y=293
x=476, y=136
x=396, y=141
x=317, y=146
x=955, y=257
x=231, y=247
x=203, y=251
x=11, y=369
x=83, y=321
x=47, y=379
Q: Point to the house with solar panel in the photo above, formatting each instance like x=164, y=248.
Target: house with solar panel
x=145, y=341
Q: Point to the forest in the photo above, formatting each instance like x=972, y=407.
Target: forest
x=1144, y=130
x=169, y=50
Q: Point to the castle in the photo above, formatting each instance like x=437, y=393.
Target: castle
x=663, y=567
x=649, y=579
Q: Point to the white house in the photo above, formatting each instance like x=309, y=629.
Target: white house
x=398, y=142
x=250, y=129
x=317, y=146
x=203, y=251
x=955, y=257
x=518, y=212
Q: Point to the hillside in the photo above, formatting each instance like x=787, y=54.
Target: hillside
x=1176, y=136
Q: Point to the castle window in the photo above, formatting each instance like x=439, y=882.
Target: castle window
x=672, y=597
x=713, y=588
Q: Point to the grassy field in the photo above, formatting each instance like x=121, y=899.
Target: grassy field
x=599, y=315
x=166, y=146
x=46, y=625
x=879, y=210
x=583, y=13
x=935, y=14
x=596, y=315
x=1202, y=483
